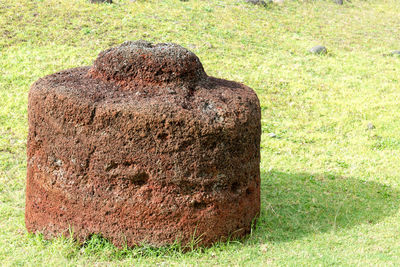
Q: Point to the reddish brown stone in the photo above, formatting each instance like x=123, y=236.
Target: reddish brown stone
x=143, y=147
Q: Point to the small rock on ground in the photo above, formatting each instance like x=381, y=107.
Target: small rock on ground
x=339, y=2
x=101, y=1
x=272, y=135
x=370, y=126
x=318, y=50
x=259, y=2
x=393, y=53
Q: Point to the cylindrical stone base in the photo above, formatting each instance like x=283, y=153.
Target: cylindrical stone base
x=142, y=162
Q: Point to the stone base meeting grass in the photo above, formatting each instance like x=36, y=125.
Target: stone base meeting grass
x=330, y=146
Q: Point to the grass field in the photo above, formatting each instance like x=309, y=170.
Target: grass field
x=330, y=184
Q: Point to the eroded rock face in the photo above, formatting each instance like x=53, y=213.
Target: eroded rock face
x=142, y=147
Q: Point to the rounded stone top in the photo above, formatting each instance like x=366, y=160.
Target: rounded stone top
x=150, y=80
x=142, y=63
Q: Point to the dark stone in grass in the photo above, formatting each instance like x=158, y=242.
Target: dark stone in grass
x=393, y=53
x=101, y=1
x=144, y=148
x=339, y=2
x=259, y=2
x=318, y=50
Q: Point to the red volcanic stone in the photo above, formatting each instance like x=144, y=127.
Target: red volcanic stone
x=143, y=147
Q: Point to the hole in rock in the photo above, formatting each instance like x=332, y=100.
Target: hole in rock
x=249, y=191
x=140, y=178
x=110, y=166
x=235, y=187
x=162, y=136
x=213, y=145
x=199, y=205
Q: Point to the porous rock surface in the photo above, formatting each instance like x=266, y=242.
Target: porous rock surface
x=143, y=148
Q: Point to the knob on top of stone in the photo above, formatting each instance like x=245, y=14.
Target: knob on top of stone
x=142, y=63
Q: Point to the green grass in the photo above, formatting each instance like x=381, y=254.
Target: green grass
x=330, y=187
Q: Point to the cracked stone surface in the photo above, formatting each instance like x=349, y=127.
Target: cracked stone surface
x=143, y=148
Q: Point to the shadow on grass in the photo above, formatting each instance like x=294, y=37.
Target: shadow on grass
x=298, y=204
